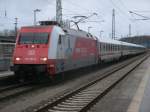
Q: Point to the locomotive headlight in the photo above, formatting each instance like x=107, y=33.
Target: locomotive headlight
x=44, y=59
x=17, y=59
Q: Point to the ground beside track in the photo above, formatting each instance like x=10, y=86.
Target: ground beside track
x=120, y=99
x=6, y=74
x=38, y=97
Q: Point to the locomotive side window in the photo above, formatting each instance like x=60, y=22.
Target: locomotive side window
x=33, y=38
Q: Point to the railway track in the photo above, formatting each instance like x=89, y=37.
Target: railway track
x=11, y=87
x=83, y=98
x=16, y=90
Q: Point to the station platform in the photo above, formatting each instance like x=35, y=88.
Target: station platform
x=131, y=95
x=4, y=74
x=141, y=100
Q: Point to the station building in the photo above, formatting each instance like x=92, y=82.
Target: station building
x=7, y=44
x=142, y=40
x=10, y=39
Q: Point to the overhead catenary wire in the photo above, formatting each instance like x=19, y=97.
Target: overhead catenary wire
x=142, y=11
x=122, y=3
x=77, y=6
x=86, y=11
x=143, y=17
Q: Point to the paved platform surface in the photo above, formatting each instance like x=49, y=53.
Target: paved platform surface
x=131, y=95
x=6, y=74
x=145, y=104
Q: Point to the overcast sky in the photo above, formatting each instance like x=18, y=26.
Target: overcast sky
x=23, y=10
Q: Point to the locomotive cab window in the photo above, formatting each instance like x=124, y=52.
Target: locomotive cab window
x=33, y=38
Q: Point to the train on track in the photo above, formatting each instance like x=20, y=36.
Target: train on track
x=51, y=50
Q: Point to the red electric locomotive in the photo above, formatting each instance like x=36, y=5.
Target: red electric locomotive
x=50, y=49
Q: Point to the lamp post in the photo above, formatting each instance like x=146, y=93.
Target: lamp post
x=35, y=11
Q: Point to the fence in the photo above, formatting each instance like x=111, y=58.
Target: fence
x=6, y=52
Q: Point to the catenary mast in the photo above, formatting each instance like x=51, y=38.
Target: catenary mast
x=59, y=11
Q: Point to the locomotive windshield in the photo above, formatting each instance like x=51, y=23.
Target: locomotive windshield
x=33, y=38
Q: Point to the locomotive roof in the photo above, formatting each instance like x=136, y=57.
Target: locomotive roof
x=79, y=33
x=37, y=26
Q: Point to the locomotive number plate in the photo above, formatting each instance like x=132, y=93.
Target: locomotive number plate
x=31, y=52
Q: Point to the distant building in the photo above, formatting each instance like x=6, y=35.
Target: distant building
x=142, y=40
x=7, y=39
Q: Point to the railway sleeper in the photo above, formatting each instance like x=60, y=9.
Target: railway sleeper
x=83, y=98
x=77, y=101
x=70, y=106
x=73, y=103
x=66, y=109
x=51, y=110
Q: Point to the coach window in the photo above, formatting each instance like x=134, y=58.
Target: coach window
x=59, y=40
x=105, y=47
x=117, y=48
x=113, y=47
x=110, y=47
x=100, y=46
